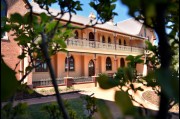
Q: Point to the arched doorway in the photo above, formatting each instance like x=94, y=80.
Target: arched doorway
x=103, y=39
x=91, y=36
x=91, y=68
x=122, y=62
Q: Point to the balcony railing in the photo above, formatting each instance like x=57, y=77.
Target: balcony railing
x=60, y=81
x=99, y=45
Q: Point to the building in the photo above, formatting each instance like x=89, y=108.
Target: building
x=94, y=50
x=9, y=48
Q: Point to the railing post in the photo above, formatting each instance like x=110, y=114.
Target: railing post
x=68, y=81
x=95, y=80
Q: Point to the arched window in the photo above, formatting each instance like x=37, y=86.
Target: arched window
x=119, y=41
x=109, y=40
x=103, y=39
x=76, y=35
x=122, y=62
x=91, y=36
x=124, y=43
x=71, y=64
x=108, y=64
x=3, y=14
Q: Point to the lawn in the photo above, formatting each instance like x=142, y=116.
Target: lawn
x=35, y=111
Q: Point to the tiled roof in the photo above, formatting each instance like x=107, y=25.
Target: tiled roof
x=130, y=26
x=84, y=20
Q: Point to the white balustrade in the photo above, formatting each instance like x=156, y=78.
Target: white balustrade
x=99, y=45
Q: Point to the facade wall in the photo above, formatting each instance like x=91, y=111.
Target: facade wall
x=81, y=65
x=139, y=68
x=9, y=48
x=149, y=33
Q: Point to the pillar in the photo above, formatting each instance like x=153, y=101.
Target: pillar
x=95, y=63
x=68, y=64
x=145, y=65
x=115, y=63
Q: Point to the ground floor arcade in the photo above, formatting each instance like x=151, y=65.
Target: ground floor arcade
x=76, y=64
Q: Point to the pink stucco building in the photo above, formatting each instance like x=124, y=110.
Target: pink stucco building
x=102, y=48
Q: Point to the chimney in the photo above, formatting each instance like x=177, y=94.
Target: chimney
x=92, y=16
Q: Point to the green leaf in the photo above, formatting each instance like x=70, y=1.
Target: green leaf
x=28, y=68
x=169, y=83
x=104, y=110
x=44, y=17
x=22, y=56
x=23, y=39
x=106, y=83
x=16, y=17
x=140, y=89
x=124, y=103
x=9, y=82
x=50, y=26
x=151, y=79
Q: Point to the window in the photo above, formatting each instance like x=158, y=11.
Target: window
x=109, y=40
x=108, y=64
x=103, y=39
x=124, y=43
x=122, y=62
x=71, y=64
x=76, y=35
x=3, y=14
x=119, y=41
x=91, y=36
x=41, y=68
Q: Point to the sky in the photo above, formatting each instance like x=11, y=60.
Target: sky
x=121, y=9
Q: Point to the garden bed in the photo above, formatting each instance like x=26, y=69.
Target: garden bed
x=153, y=98
x=43, y=93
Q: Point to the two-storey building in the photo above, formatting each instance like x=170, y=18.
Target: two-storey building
x=102, y=48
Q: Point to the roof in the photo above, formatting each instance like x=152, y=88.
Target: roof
x=80, y=19
x=130, y=26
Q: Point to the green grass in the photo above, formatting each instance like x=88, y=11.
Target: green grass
x=35, y=111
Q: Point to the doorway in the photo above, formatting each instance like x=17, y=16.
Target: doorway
x=91, y=68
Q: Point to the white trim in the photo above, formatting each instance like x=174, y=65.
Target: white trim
x=5, y=37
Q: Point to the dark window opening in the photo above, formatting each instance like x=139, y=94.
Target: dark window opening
x=119, y=41
x=108, y=64
x=109, y=40
x=71, y=64
x=41, y=68
x=76, y=35
x=91, y=36
x=122, y=62
x=124, y=43
x=103, y=39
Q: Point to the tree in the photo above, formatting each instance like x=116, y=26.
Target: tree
x=42, y=36
x=39, y=39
